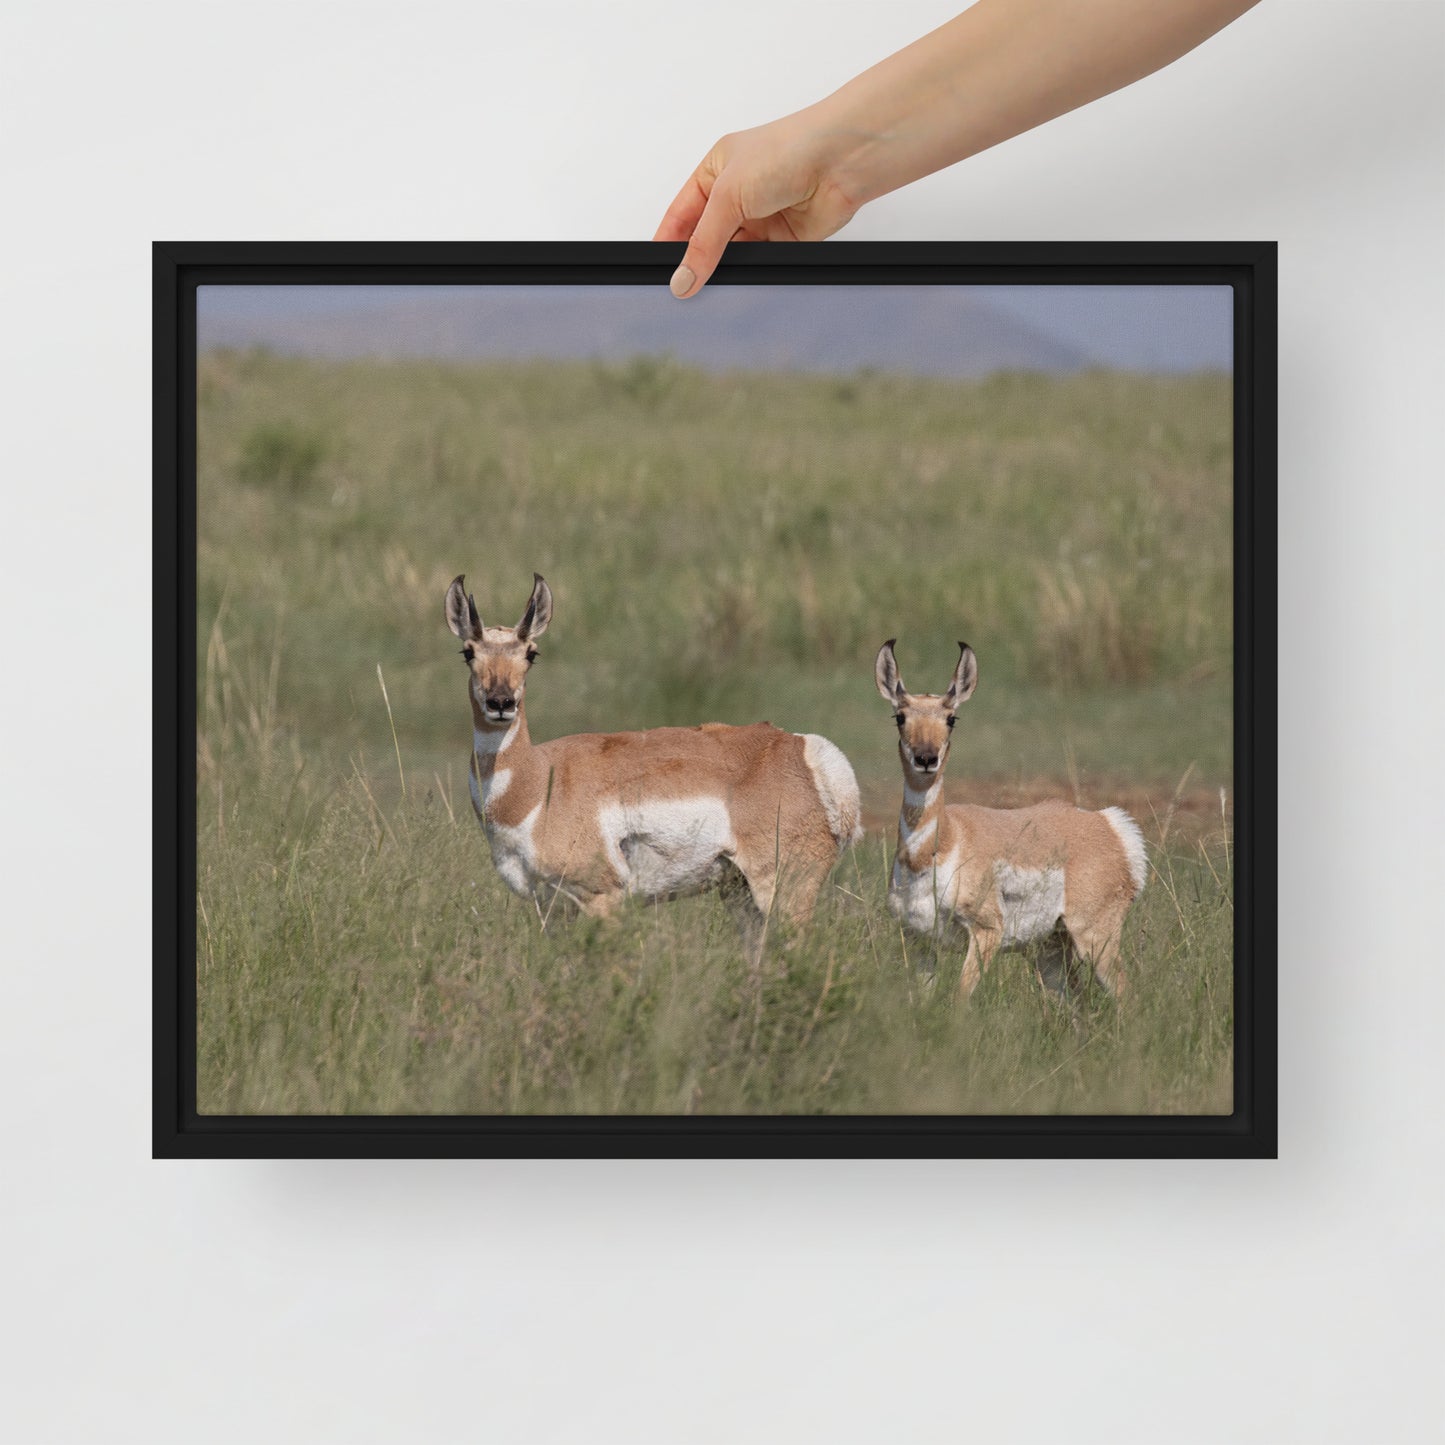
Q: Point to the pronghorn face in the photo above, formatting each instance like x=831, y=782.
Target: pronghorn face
x=925, y=720
x=498, y=658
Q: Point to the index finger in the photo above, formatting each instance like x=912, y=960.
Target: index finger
x=681, y=217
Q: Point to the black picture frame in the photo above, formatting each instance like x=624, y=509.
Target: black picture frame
x=178, y=1131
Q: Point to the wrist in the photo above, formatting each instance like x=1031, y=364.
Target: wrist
x=856, y=149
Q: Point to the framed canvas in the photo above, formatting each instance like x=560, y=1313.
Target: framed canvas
x=895, y=776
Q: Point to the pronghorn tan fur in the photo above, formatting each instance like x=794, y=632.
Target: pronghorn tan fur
x=594, y=818
x=1007, y=875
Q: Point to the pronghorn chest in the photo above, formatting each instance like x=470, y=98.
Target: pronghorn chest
x=923, y=900
x=514, y=852
x=664, y=848
x=514, y=847
x=925, y=874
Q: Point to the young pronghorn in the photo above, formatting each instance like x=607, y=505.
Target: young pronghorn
x=760, y=813
x=1049, y=874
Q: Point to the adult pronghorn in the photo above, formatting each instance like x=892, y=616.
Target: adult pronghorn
x=1051, y=874
x=761, y=813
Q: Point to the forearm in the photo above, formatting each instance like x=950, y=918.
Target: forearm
x=1000, y=68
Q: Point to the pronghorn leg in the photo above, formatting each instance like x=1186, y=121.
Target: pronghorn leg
x=766, y=888
x=740, y=897
x=782, y=896
x=1057, y=964
x=982, y=945
x=599, y=905
x=1098, y=942
x=797, y=896
x=1052, y=963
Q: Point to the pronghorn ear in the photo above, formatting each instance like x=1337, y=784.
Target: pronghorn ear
x=462, y=612
x=539, y=611
x=965, y=677
x=885, y=674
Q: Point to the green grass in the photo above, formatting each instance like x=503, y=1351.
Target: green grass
x=360, y=961
x=720, y=548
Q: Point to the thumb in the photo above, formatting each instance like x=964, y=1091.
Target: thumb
x=718, y=224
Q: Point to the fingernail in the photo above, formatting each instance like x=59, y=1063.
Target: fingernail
x=682, y=280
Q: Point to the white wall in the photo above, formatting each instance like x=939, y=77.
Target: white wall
x=1293, y=1301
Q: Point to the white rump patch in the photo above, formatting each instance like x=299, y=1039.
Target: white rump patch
x=1132, y=841
x=1031, y=901
x=664, y=848
x=837, y=788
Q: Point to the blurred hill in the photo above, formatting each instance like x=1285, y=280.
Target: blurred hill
x=923, y=331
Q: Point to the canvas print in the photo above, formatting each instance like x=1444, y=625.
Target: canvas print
x=806, y=700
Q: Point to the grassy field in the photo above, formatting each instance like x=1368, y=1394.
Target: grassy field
x=720, y=548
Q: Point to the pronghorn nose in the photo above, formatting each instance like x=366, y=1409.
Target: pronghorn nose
x=925, y=760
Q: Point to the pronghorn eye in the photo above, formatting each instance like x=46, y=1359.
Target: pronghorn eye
x=898, y=718
x=951, y=722
x=531, y=654
x=469, y=652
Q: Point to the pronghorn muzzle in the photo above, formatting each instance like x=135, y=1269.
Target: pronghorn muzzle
x=499, y=707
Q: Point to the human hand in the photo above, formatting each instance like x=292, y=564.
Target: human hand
x=998, y=69
x=775, y=182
